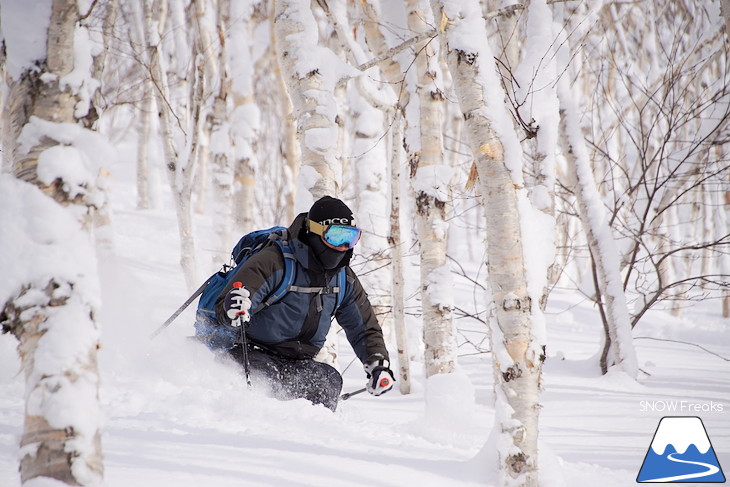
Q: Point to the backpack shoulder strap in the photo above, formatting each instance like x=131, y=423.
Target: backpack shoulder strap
x=290, y=270
x=341, y=288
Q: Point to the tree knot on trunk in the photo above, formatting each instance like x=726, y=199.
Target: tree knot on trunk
x=512, y=373
x=29, y=306
x=518, y=463
x=513, y=302
x=466, y=57
x=437, y=95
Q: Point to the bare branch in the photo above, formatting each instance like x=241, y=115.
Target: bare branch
x=684, y=343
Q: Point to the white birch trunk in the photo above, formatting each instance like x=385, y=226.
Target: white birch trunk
x=598, y=234
x=390, y=68
x=53, y=313
x=208, y=54
x=141, y=17
x=395, y=242
x=430, y=181
x=217, y=125
x=519, y=358
x=177, y=163
x=292, y=148
x=246, y=115
x=393, y=75
x=721, y=228
x=144, y=201
x=311, y=89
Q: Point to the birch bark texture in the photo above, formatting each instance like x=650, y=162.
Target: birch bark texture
x=50, y=185
x=519, y=359
x=430, y=180
x=395, y=241
x=244, y=123
x=391, y=71
x=310, y=77
x=176, y=144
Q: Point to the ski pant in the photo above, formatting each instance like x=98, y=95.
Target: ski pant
x=288, y=378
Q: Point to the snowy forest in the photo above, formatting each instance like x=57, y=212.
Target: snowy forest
x=543, y=188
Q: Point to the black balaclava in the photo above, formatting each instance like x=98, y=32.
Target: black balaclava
x=328, y=211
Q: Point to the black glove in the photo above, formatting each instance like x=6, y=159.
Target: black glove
x=380, y=377
x=237, y=304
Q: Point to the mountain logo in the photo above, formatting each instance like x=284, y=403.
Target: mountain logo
x=680, y=452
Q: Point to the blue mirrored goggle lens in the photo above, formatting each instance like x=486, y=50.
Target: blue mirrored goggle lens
x=337, y=235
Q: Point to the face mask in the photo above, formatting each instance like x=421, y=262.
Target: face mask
x=329, y=258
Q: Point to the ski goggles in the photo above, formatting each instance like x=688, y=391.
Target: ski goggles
x=336, y=235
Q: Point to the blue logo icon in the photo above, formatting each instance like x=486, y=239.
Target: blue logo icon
x=680, y=452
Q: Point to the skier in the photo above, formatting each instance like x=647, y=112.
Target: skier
x=282, y=339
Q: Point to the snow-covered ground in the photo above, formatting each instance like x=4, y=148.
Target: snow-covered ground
x=176, y=417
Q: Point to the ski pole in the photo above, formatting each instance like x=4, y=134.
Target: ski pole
x=182, y=308
x=348, y=395
x=244, y=342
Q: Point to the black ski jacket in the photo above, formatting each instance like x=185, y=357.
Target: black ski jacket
x=296, y=326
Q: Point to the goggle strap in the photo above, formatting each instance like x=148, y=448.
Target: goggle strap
x=315, y=227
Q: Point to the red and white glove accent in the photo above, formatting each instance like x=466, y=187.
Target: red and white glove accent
x=238, y=304
x=380, y=377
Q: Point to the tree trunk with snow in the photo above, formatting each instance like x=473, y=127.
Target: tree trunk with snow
x=518, y=357
x=430, y=183
x=147, y=105
x=310, y=81
x=393, y=74
x=144, y=198
x=292, y=149
x=600, y=240
x=52, y=312
x=395, y=242
x=391, y=69
x=217, y=125
x=721, y=227
x=178, y=163
x=244, y=123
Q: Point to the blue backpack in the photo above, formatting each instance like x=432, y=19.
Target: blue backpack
x=250, y=244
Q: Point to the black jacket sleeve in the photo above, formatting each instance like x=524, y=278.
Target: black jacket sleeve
x=357, y=318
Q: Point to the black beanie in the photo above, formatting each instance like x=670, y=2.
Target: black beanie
x=331, y=211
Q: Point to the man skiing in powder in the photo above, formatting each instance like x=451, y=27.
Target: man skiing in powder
x=282, y=339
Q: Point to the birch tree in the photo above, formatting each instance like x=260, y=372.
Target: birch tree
x=310, y=74
x=394, y=79
x=518, y=356
x=291, y=148
x=604, y=253
x=180, y=118
x=244, y=125
x=50, y=294
x=135, y=20
x=395, y=241
x=430, y=180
